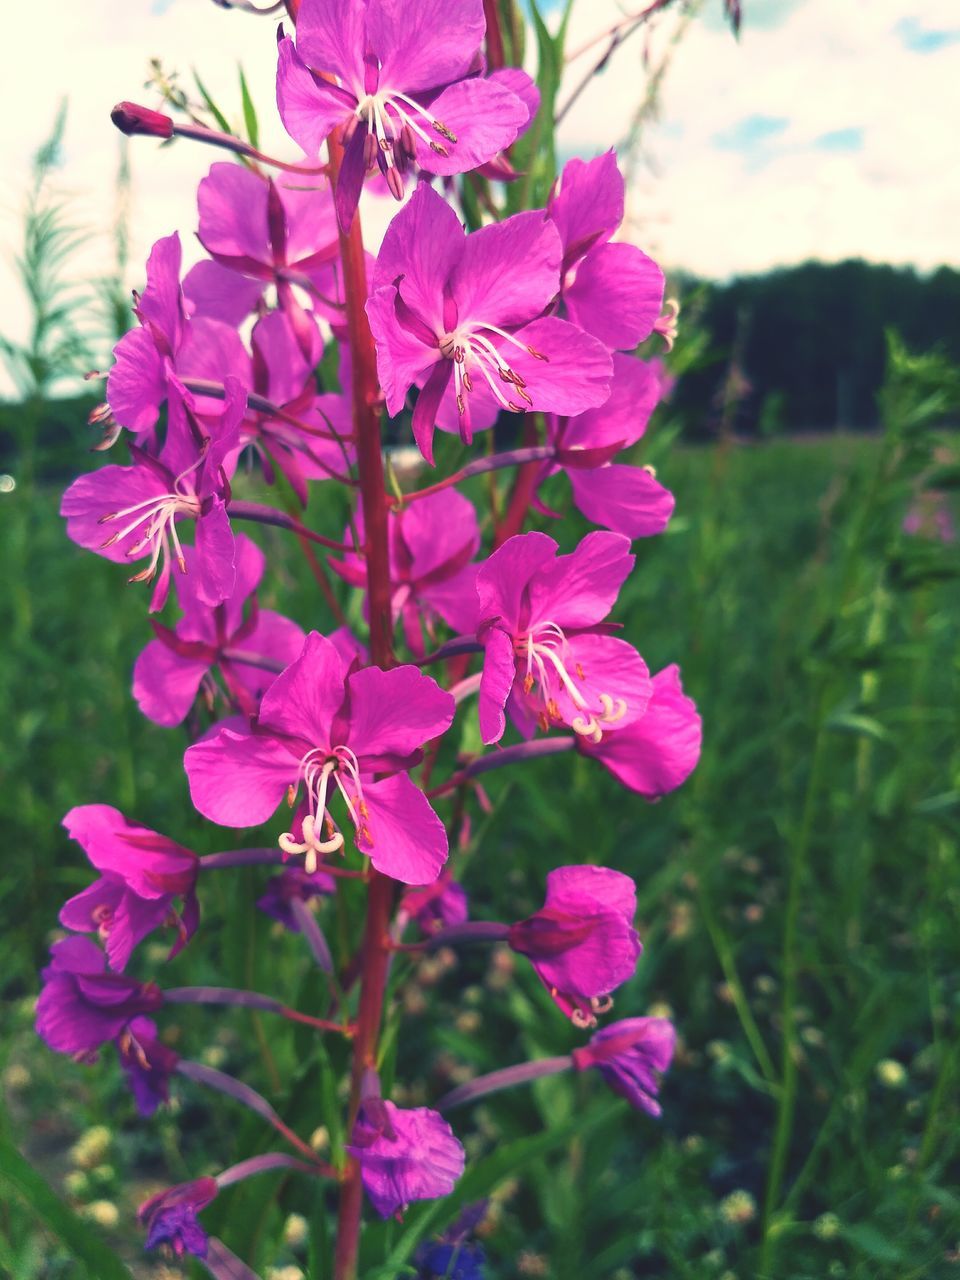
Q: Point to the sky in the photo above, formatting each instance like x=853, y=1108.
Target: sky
x=828, y=130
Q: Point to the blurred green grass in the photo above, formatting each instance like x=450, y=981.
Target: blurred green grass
x=815, y=847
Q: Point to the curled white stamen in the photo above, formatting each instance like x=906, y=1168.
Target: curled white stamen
x=601, y=1004
x=614, y=709
x=580, y=1018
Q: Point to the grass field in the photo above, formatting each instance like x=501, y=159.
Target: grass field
x=798, y=903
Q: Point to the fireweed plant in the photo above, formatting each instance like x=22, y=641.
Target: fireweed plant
x=529, y=319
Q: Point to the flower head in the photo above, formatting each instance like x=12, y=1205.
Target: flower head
x=404, y=1155
x=408, y=92
x=144, y=873
x=147, y=1063
x=612, y=290
x=153, y=359
x=327, y=729
x=171, y=1217
x=432, y=545
x=546, y=651
x=170, y=671
x=81, y=1006
x=128, y=513
x=436, y=906
x=293, y=884
x=582, y=942
x=658, y=752
x=631, y=1055
x=463, y=317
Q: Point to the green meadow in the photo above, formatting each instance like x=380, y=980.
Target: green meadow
x=799, y=902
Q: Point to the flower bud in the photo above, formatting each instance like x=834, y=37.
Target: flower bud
x=134, y=120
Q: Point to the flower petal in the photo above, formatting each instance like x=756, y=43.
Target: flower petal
x=425, y=44
x=503, y=577
x=422, y=246
x=625, y=499
x=587, y=207
x=238, y=779
x=483, y=116
x=508, y=271
x=617, y=295
x=221, y=294
x=401, y=835
x=579, y=589
x=331, y=37
x=137, y=381
x=573, y=370
x=393, y=713
x=165, y=683
x=496, y=681
x=310, y=109
x=304, y=699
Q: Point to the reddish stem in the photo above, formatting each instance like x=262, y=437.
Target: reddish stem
x=495, y=54
x=376, y=938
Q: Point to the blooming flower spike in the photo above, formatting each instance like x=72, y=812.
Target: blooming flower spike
x=329, y=731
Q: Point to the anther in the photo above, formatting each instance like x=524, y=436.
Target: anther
x=443, y=131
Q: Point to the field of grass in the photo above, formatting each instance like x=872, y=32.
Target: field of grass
x=798, y=903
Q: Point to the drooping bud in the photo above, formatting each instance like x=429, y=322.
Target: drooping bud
x=134, y=120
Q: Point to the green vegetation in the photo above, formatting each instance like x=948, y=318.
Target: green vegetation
x=798, y=903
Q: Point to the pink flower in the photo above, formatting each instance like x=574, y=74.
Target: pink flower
x=167, y=347
x=463, y=316
x=582, y=942
x=624, y=498
x=328, y=729
x=147, y=1063
x=293, y=884
x=260, y=232
x=143, y=874
x=436, y=906
x=546, y=651
x=171, y=1217
x=659, y=751
x=631, y=1055
x=404, y=1155
x=81, y=1006
x=127, y=513
x=612, y=290
x=171, y=669
x=407, y=92
x=432, y=545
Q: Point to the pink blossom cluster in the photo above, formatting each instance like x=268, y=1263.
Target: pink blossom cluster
x=344, y=752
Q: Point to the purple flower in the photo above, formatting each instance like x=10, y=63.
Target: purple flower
x=439, y=1261
x=631, y=1055
x=81, y=1006
x=329, y=729
x=170, y=1217
x=293, y=884
x=463, y=317
x=404, y=1155
x=143, y=874
x=171, y=669
x=260, y=232
x=151, y=360
x=407, y=93
x=432, y=574
x=147, y=1063
x=659, y=751
x=436, y=906
x=126, y=513
x=582, y=942
x=283, y=374
x=624, y=498
x=614, y=291
x=545, y=650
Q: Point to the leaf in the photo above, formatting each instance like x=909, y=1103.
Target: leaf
x=850, y=722
x=866, y=1238
x=249, y=112
x=215, y=111
x=99, y=1260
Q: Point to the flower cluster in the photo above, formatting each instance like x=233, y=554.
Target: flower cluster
x=530, y=322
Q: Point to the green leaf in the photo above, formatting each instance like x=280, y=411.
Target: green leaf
x=98, y=1259
x=249, y=112
x=850, y=722
x=867, y=1239
x=214, y=110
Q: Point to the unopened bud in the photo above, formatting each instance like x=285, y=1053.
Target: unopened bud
x=132, y=120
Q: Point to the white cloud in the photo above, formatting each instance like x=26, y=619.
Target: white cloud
x=825, y=66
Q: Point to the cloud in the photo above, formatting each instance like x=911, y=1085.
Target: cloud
x=750, y=132
x=921, y=39
x=839, y=140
